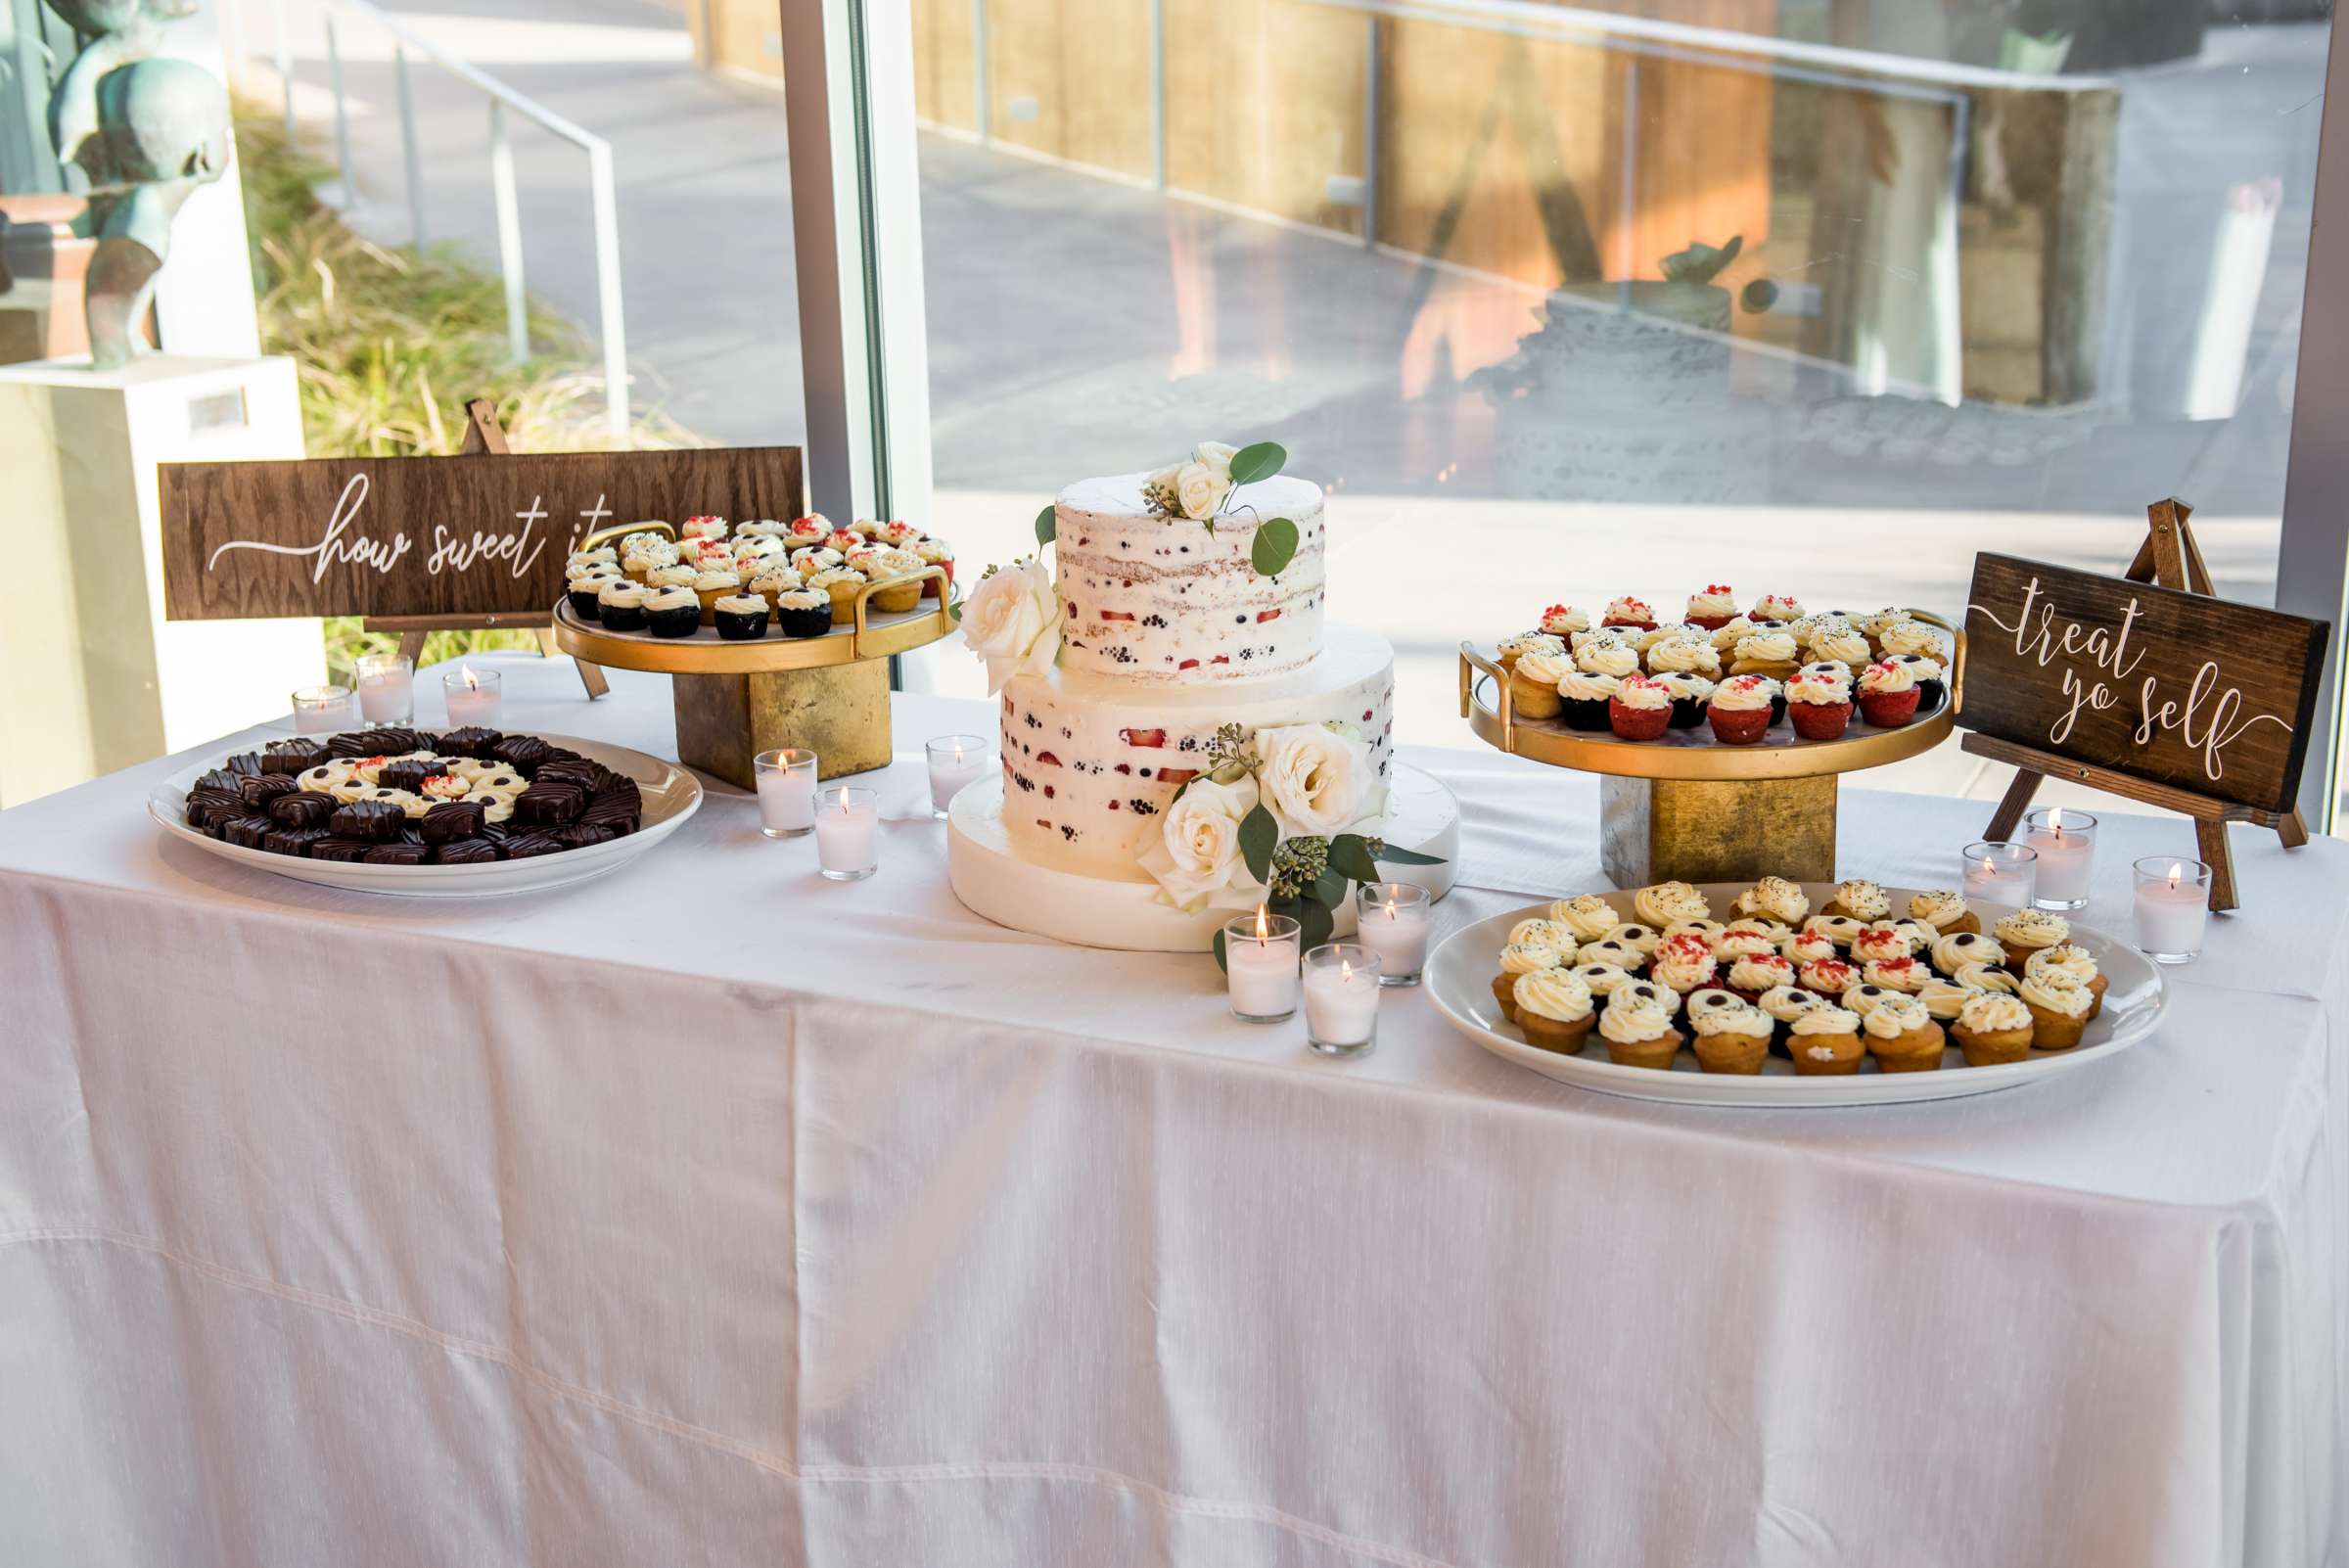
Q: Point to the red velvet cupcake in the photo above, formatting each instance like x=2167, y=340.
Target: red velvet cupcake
x=1819, y=702
x=1713, y=608
x=1640, y=709
x=1629, y=612
x=1888, y=695
x=1739, y=712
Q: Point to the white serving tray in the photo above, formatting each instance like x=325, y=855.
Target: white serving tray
x=1459, y=982
x=670, y=796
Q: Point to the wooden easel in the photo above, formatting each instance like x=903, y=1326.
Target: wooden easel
x=2170, y=559
x=485, y=437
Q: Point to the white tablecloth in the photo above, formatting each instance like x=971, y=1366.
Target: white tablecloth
x=711, y=1212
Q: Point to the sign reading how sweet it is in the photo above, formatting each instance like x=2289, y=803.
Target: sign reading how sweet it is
x=2175, y=688
x=431, y=536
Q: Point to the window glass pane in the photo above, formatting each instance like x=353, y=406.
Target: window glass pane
x=2001, y=278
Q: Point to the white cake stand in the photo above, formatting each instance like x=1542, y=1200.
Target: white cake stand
x=997, y=885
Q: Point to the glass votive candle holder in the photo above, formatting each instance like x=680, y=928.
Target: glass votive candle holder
x=848, y=833
x=1391, y=920
x=1259, y=966
x=2066, y=839
x=324, y=710
x=954, y=760
x=1341, y=998
x=1992, y=872
x=386, y=685
x=786, y=781
x=474, y=697
x=2173, y=907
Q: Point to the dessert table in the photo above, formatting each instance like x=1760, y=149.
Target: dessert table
x=711, y=1212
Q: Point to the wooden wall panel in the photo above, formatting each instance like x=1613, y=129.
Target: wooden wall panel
x=1264, y=104
x=1086, y=65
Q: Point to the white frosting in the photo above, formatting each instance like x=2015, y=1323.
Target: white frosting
x=1161, y=599
x=1085, y=755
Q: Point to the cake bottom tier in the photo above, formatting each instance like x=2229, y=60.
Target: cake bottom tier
x=995, y=881
x=1089, y=761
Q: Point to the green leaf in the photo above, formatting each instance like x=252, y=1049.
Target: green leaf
x=1275, y=546
x=1220, y=960
x=1395, y=857
x=954, y=612
x=1047, y=525
x=1260, y=461
x=1315, y=923
x=1260, y=836
x=1330, y=887
x=1349, y=857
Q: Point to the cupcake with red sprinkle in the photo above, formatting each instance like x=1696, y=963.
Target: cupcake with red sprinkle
x=1713, y=607
x=1564, y=621
x=1888, y=695
x=1640, y=709
x=1629, y=612
x=1818, y=699
x=1778, y=607
x=1739, y=712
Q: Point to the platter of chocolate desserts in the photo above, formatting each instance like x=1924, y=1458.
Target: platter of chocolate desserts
x=1787, y=993
x=460, y=813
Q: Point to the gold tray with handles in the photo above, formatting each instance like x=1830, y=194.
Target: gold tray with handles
x=1693, y=754
x=868, y=635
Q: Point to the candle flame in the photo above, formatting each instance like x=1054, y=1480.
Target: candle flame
x=1391, y=906
x=844, y=796
x=1345, y=970
x=472, y=682
x=2177, y=870
x=1264, y=931
x=2055, y=822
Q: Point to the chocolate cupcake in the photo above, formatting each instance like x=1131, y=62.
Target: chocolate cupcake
x=622, y=607
x=740, y=617
x=673, y=612
x=1582, y=699
x=1689, y=694
x=804, y=612
x=586, y=594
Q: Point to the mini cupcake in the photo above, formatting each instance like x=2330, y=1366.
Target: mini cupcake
x=1872, y=625
x=1604, y=980
x=1750, y=939
x=1908, y=976
x=1820, y=703
x=1902, y=1036
x=1684, y=964
x=1780, y=899
x=740, y=617
x=1683, y=655
x=1825, y=1043
x=937, y=553
x=1640, y=709
x=809, y=560
x=1926, y=673
x=1986, y=977
x=1842, y=644
x=586, y=594
x=1786, y=1003
x=1807, y=946
x=897, y=596
x=1943, y=911
x=805, y=532
x=1533, y=689
x=843, y=585
x=1908, y=636
x=673, y=611
x=1860, y=900
x=1739, y=710
x=1730, y=633
x=1519, y=960
x=2025, y=932
x=2076, y=964
x=1881, y=940
x=766, y=528
x=1548, y=932
x=1754, y=974
x=702, y=528
x=1942, y=999
x=1643, y=940
x=1957, y=949
x=1608, y=656
x=712, y=583
x=1629, y=612
x=1690, y=695
x=1765, y=653
x=1587, y=918
x=1512, y=649
x=1553, y=1009
x=647, y=558
x=2060, y=1008
x=620, y=606
x=775, y=581
x=1712, y=607
x=903, y=535
x=1731, y=1035
x=1638, y=1029
x=804, y=612
x=751, y=554
x=1780, y=607
x=1829, y=977
x=678, y=574
x=1608, y=951
x=1993, y=1029
x=866, y=558
x=845, y=539
x=1564, y=621
x=1663, y=904
x=1888, y=695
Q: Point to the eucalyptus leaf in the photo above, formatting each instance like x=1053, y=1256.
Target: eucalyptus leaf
x=1258, y=461
x=1220, y=962
x=1260, y=836
x=1047, y=525
x=1395, y=857
x=1349, y=857
x=1330, y=887
x=1315, y=923
x=1275, y=546
x=954, y=612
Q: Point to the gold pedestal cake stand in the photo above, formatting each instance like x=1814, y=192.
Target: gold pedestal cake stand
x=1687, y=807
x=734, y=700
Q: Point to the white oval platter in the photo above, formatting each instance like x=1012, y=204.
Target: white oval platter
x=670, y=796
x=1459, y=982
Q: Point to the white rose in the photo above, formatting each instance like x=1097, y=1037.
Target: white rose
x=1199, y=492
x=1012, y=621
x=1218, y=456
x=1196, y=858
x=1315, y=781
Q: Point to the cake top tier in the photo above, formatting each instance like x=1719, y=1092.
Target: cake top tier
x=1158, y=598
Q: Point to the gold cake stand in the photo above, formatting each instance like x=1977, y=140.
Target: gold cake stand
x=734, y=700
x=1687, y=807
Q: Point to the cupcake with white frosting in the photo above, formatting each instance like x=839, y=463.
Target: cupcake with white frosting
x=1640, y=710
x=1690, y=695
x=1517, y=960
x=803, y=612
x=1739, y=712
x=740, y=617
x=1512, y=649
x=1534, y=683
x=1629, y=612
x=2059, y=1007
x=1564, y=621
x=1667, y=903
x=1712, y=607
x=1554, y=1010
x=620, y=606
x=1993, y=1029
x=1888, y=695
x=1731, y=1035
x=1824, y=1041
x=1902, y=1036
x=1585, y=700
x=1943, y=911
x=1638, y=1029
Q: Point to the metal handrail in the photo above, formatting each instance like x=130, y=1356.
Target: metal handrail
x=611, y=318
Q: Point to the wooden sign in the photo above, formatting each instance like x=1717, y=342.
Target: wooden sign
x=2167, y=686
x=431, y=536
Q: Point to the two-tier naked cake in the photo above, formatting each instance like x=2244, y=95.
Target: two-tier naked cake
x=1168, y=633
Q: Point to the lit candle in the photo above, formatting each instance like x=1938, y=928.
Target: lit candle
x=1992, y=872
x=2067, y=852
x=1391, y=920
x=954, y=760
x=786, y=792
x=1341, y=998
x=387, y=688
x=2172, y=908
x=472, y=698
x=848, y=834
x=324, y=710
x=1259, y=966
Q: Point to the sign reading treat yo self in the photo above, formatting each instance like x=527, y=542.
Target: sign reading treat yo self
x=432, y=535
x=2177, y=689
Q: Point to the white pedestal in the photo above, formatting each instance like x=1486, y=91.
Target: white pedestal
x=96, y=678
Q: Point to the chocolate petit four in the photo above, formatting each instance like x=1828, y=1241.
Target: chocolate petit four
x=470, y=741
x=407, y=775
x=244, y=765
x=465, y=851
x=354, y=743
x=402, y=854
x=291, y=840
x=331, y=848
x=293, y=756
x=522, y=752
x=246, y=831
x=579, y=835
x=260, y=789
x=303, y=809
x=374, y=822
x=525, y=846
x=211, y=808
x=452, y=820
x=547, y=804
